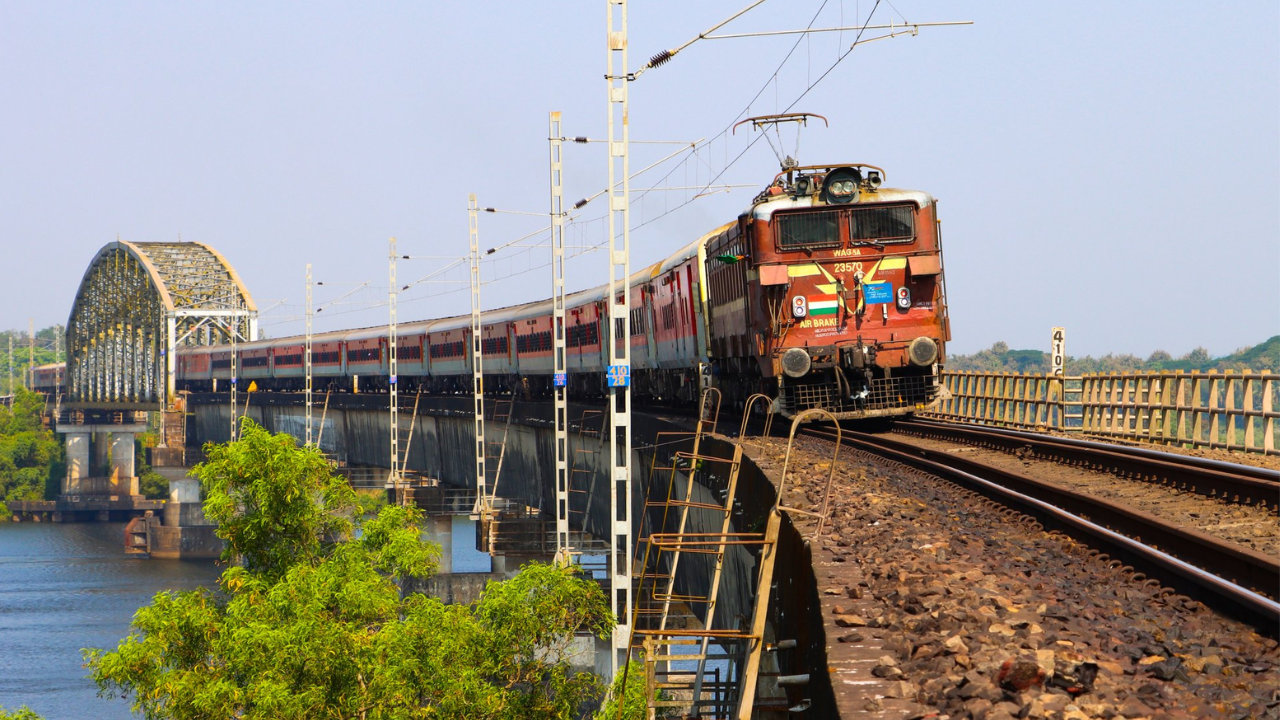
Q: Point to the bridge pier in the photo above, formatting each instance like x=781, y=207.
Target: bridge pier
x=101, y=462
x=440, y=531
x=101, y=483
x=78, y=443
x=123, y=472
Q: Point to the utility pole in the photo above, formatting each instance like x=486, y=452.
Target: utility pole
x=618, y=331
x=29, y=376
x=235, y=369
x=477, y=356
x=560, y=379
x=306, y=354
x=392, y=383
x=10, y=362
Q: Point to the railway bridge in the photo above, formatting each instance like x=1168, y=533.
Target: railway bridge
x=136, y=305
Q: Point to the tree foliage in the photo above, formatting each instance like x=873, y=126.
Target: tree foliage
x=312, y=624
x=999, y=358
x=30, y=456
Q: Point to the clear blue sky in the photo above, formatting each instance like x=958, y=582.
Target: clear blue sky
x=1110, y=167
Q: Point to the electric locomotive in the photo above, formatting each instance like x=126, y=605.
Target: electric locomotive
x=830, y=288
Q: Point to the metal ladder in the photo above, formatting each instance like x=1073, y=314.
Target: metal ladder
x=583, y=463
x=496, y=450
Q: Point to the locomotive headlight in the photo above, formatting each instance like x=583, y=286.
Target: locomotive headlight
x=923, y=351
x=795, y=362
x=841, y=185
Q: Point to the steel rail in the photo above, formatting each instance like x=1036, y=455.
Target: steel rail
x=1229, y=481
x=1235, y=580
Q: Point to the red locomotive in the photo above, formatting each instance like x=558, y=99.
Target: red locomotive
x=836, y=299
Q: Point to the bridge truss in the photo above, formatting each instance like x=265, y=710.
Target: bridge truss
x=136, y=304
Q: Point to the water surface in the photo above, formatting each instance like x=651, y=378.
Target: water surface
x=64, y=587
x=67, y=587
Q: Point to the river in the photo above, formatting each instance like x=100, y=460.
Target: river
x=67, y=587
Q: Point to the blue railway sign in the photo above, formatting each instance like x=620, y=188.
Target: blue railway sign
x=619, y=375
x=878, y=293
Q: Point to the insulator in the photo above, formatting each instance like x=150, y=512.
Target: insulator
x=660, y=59
x=581, y=139
x=580, y=203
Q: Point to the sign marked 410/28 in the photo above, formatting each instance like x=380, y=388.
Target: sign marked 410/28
x=619, y=375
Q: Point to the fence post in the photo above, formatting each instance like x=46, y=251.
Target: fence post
x=1250, y=387
x=1197, y=404
x=1214, y=397
x=1269, y=420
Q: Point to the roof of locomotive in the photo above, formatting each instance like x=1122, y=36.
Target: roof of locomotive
x=765, y=208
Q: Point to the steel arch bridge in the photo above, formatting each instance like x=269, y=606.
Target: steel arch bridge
x=136, y=304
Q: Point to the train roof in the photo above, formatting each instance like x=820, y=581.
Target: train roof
x=765, y=209
x=511, y=313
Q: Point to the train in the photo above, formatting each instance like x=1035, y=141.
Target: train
x=827, y=292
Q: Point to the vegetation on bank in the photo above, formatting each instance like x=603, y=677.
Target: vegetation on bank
x=309, y=619
x=999, y=358
x=31, y=456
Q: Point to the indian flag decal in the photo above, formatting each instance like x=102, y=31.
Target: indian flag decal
x=823, y=304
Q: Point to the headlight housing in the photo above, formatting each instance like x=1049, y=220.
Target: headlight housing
x=923, y=352
x=796, y=362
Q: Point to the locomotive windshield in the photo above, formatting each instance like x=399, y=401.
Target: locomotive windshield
x=808, y=230
x=865, y=225
x=894, y=223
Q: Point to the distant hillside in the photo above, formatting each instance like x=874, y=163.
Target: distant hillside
x=999, y=358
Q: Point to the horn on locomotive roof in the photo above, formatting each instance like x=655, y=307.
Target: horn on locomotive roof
x=764, y=122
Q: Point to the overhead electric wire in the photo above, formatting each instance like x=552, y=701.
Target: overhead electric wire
x=755, y=140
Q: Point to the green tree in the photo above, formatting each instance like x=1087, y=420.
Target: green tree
x=22, y=713
x=30, y=456
x=633, y=697
x=311, y=622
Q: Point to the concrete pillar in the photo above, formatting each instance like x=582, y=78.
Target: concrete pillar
x=440, y=531
x=77, y=462
x=184, y=508
x=101, y=455
x=122, y=466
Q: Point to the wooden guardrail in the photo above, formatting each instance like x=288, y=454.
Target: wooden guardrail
x=1229, y=410
x=1234, y=411
x=1020, y=400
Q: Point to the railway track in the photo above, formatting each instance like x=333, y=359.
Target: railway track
x=1226, y=481
x=1234, y=580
